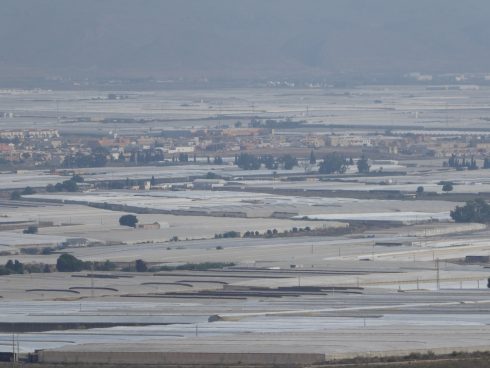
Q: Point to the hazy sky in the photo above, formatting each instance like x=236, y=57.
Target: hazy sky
x=242, y=38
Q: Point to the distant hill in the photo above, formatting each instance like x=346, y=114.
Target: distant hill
x=242, y=38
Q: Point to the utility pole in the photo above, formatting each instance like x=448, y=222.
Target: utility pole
x=92, y=281
x=58, y=111
x=13, y=349
x=438, y=284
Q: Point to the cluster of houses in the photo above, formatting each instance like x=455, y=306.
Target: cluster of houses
x=45, y=147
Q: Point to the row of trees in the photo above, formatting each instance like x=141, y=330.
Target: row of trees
x=247, y=161
x=272, y=124
x=461, y=163
x=477, y=210
x=464, y=163
x=332, y=163
x=337, y=163
x=12, y=267
x=17, y=267
x=227, y=234
x=98, y=158
x=69, y=263
x=16, y=195
x=274, y=232
x=70, y=185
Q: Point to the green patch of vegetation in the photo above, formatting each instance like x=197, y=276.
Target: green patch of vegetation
x=194, y=267
x=418, y=360
x=37, y=250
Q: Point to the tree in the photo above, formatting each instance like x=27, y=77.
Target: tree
x=486, y=163
x=312, y=158
x=140, y=266
x=269, y=162
x=420, y=190
x=472, y=164
x=447, y=187
x=288, y=162
x=363, y=165
x=473, y=211
x=68, y=263
x=70, y=185
x=28, y=191
x=77, y=178
x=231, y=234
x=246, y=161
x=105, y=266
x=128, y=220
x=98, y=158
x=333, y=163
x=14, y=266
x=212, y=175
x=15, y=195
